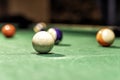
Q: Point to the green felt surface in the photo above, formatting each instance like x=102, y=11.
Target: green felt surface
x=78, y=57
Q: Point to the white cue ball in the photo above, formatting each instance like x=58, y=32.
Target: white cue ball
x=42, y=42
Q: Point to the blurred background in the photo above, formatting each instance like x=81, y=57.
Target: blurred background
x=93, y=12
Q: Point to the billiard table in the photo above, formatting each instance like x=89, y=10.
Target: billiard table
x=77, y=57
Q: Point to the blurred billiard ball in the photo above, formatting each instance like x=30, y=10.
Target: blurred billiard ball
x=56, y=34
x=39, y=27
x=8, y=30
x=116, y=30
x=105, y=37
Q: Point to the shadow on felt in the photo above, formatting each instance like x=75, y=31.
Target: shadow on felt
x=49, y=54
x=66, y=45
x=115, y=47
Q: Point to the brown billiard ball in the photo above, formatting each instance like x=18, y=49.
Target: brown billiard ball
x=105, y=37
x=8, y=30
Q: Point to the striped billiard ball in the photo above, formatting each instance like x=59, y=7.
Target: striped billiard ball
x=105, y=37
x=42, y=42
x=56, y=34
x=39, y=27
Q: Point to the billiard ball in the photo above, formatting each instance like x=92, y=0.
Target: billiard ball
x=105, y=37
x=8, y=30
x=42, y=42
x=116, y=30
x=56, y=34
x=39, y=27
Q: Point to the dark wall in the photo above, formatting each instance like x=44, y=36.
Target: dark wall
x=75, y=11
